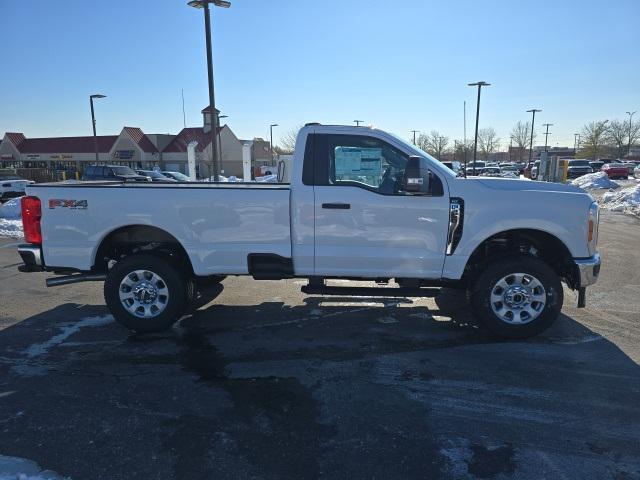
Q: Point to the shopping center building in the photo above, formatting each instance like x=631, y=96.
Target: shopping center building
x=134, y=148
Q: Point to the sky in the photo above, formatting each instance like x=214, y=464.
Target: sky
x=398, y=65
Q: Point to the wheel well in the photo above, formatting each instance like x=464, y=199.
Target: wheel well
x=132, y=239
x=535, y=243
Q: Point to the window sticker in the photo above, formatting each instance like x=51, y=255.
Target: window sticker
x=356, y=163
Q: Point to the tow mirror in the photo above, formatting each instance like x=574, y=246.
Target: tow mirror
x=416, y=176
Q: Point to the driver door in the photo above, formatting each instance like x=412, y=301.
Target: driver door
x=366, y=224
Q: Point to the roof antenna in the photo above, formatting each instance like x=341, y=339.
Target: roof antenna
x=184, y=118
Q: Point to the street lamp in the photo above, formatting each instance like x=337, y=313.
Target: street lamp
x=271, y=141
x=631, y=114
x=204, y=5
x=358, y=122
x=93, y=122
x=414, y=135
x=533, y=121
x=546, y=134
x=475, y=143
x=576, y=142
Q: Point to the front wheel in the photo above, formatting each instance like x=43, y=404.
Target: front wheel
x=517, y=297
x=147, y=293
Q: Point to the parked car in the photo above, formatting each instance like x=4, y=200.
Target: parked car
x=616, y=170
x=479, y=168
x=491, y=171
x=362, y=204
x=12, y=185
x=577, y=168
x=630, y=166
x=155, y=176
x=177, y=176
x=113, y=173
x=596, y=165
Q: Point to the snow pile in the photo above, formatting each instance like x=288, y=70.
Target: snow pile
x=626, y=200
x=267, y=179
x=594, y=181
x=10, y=219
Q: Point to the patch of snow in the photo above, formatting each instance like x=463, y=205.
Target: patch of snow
x=15, y=468
x=594, y=181
x=11, y=209
x=626, y=200
x=267, y=179
x=38, y=349
x=11, y=228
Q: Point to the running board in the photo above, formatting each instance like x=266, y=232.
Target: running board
x=369, y=291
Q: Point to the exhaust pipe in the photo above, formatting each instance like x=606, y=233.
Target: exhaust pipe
x=69, y=279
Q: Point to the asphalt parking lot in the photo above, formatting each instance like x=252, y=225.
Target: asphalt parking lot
x=263, y=382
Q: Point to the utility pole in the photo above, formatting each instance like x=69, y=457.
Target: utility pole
x=464, y=137
x=510, y=147
x=414, y=135
x=631, y=114
x=358, y=122
x=271, y=142
x=533, y=121
x=93, y=123
x=475, y=143
x=575, y=143
x=546, y=134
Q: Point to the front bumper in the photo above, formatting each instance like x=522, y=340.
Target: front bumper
x=587, y=270
x=32, y=257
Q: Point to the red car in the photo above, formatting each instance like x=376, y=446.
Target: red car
x=616, y=170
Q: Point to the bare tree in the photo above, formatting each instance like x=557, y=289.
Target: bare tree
x=621, y=135
x=488, y=142
x=433, y=143
x=288, y=141
x=592, y=139
x=521, y=134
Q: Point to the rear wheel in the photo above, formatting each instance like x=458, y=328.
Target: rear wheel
x=147, y=293
x=517, y=297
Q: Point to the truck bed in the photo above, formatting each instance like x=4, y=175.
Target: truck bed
x=218, y=224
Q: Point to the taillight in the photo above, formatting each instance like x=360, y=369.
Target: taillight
x=31, y=215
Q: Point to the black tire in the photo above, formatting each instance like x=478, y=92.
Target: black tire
x=178, y=284
x=211, y=280
x=486, y=282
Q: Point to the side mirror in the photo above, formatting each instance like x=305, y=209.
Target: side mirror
x=416, y=176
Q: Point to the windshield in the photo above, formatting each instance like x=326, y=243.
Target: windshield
x=122, y=171
x=178, y=176
x=152, y=174
x=579, y=163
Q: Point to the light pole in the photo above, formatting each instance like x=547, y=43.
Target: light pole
x=510, y=147
x=414, y=135
x=475, y=143
x=204, y=5
x=575, y=143
x=358, y=122
x=93, y=122
x=533, y=121
x=546, y=134
x=271, y=141
x=631, y=114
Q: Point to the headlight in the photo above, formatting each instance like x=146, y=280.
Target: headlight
x=592, y=228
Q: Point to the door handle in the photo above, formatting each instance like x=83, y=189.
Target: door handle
x=337, y=206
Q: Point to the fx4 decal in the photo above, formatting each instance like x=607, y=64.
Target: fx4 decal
x=72, y=204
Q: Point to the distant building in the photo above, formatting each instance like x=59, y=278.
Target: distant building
x=134, y=148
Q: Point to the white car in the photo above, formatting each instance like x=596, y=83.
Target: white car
x=362, y=204
x=12, y=185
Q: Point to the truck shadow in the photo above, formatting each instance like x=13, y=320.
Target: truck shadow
x=292, y=391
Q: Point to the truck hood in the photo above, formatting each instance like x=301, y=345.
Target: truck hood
x=513, y=184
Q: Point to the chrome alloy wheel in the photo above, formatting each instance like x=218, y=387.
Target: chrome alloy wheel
x=144, y=293
x=518, y=298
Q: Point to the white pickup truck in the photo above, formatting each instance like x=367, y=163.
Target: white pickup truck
x=362, y=204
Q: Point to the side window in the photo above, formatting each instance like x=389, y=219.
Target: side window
x=368, y=163
x=89, y=171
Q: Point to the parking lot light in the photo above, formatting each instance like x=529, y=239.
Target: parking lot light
x=475, y=143
x=533, y=121
x=93, y=122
